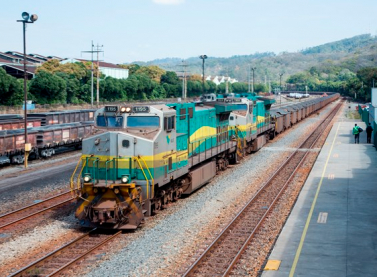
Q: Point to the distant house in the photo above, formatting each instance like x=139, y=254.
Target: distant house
x=109, y=69
x=14, y=65
x=221, y=79
x=29, y=58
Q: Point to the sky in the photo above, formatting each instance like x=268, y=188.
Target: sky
x=144, y=30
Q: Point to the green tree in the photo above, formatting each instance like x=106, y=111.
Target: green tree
x=11, y=92
x=113, y=89
x=152, y=71
x=48, y=88
x=170, y=77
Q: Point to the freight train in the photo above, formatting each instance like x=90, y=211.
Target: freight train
x=47, y=132
x=143, y=157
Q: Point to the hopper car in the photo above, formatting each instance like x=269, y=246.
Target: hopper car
x=143, y=157
x=44, y=140
x=15, y=121
x=9, y=122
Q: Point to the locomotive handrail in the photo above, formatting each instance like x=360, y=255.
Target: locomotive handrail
x=78, y=178
x=106, y=169
x=145, y=176
x=73, y=176
x=149, y=174
x=94, y=172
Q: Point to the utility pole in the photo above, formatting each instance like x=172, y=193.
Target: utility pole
x=92, y=72
x=253, y=79
x=249, y=89
x=98, y=50
x=184, y=81
x=281, y=74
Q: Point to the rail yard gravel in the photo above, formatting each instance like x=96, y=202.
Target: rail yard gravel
x=24, y=249
x=14, y=197
x=168, y=243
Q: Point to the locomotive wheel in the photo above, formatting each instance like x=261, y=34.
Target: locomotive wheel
x=157, y=205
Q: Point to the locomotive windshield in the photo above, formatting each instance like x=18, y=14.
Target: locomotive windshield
x=143, y=121
x=110, y=121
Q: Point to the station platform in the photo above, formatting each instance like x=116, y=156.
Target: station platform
x=332, y=230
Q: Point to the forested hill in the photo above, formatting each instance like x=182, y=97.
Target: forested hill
x=351, y=53
x=347, y=45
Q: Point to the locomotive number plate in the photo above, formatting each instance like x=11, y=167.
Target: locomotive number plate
x=140, y=109
x=111, y=109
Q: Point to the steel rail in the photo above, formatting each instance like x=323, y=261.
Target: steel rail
x=237, y=257
x=13, y=213
x=37, y=265
x=210, y=248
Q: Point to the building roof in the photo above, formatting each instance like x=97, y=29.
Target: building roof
x=41, y=57
x=6, y=55
x=4, y=61
x=28, y=57
x=101, y=64
x=55, y=57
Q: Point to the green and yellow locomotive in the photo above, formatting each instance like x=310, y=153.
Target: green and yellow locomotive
x=143, y=157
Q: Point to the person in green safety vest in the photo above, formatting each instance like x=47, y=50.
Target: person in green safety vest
x=355, y=131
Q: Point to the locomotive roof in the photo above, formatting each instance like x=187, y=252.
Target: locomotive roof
x=223, y=107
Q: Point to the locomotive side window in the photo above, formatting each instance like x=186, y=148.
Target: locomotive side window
x=191, y=112
x=182, y=113
x=169, y=123
x=126, y=143
x=250, y=108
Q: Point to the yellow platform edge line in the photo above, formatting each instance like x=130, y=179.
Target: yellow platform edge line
x=303, y=236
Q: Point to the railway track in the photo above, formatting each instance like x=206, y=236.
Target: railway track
x=64, y=257
x=12, y=218
x=224, y=252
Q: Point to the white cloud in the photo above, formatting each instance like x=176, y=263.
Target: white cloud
x=169, y=2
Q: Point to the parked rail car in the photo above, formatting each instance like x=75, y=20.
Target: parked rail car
x=15, y=121
x=44, y=140
x=61, y=117
x=18, y=123
x=144, y=157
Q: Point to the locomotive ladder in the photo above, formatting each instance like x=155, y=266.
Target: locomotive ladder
x=138, y=158
x=241, y=142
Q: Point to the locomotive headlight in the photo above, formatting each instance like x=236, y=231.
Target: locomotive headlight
x=87, y=178
x=123, y=109
x=124, y=179
x=128, y=109
x=116, y=191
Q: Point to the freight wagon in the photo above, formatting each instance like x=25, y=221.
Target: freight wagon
x=15, y=121
x=44, y=140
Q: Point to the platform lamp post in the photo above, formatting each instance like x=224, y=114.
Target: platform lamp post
x=281, y=74
x=203, y=57
x=26, y=18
